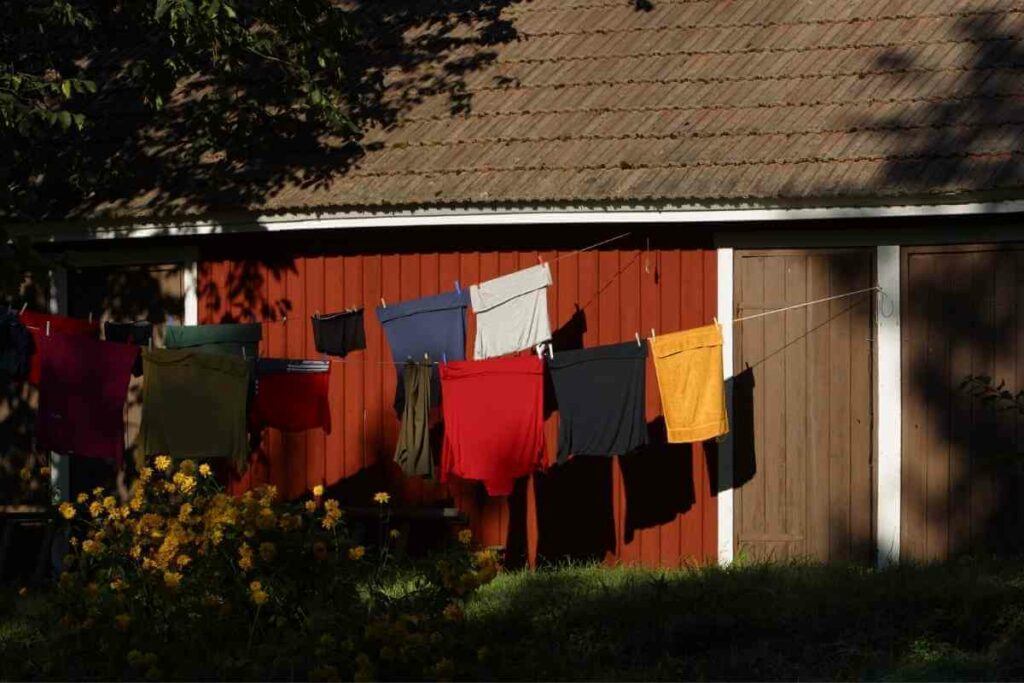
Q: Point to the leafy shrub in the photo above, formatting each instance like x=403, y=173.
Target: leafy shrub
x=187, y=582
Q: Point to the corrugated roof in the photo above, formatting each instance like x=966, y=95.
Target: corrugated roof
x=697, y=101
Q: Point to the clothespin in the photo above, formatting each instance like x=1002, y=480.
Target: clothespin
x=243, y=354
x=47, y=328
x=444, y=357
x=284, y=320
x=551, y=350
x=458, y=288
x=90, y=317
x=150, y=342
x=716, y=320
x=316, y=314
x=637, y=335
x=383, y=304
x=652, y=333
x=23, y=307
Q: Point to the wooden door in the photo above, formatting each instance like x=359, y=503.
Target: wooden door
x=802, y=397
x=962, y=468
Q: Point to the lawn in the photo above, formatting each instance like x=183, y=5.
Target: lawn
x=961, y=621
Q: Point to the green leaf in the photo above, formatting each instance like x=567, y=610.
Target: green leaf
x=161, y=8
x=230, y=11
x=65, y=119
x=79, y=121
x=65, y=87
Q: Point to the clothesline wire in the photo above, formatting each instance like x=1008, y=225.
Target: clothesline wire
x=806, y=303
x=592, y=246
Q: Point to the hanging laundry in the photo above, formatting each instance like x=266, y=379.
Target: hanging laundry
x=60, y=324
x=689, y=369
x=601, y=399
x=83, y=385
x=235, y=339
x=16, y=347
x=292, y=395
x=139, y=332
x=194, y=405
x=494, y=420
x=337, y=334
x=413, y=450
x=434, y=326
x=511, y=312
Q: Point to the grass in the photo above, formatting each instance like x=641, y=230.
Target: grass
x=958, y=621
x=962, y=621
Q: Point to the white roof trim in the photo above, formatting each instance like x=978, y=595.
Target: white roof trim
x=480, y=217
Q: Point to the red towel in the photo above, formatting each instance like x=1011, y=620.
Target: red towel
x=291, y=395
x=61, y=324
x=493, y=420
x=82, y=389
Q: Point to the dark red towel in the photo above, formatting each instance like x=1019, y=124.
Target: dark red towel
x=291, y=395
x=60, y=324
x=493, y=420
x=82, y=389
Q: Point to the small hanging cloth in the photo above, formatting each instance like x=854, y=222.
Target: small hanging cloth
x=194, y=405
x=233, y=339
x=338, y=334
x=493, y=420
x=511, y=312
x=83, y=385
x=60, y=324
x=689, y=369
x=434, y=326
x=15, y=347
x=292, y=395
x=138, y=332
x=413, y=450
x=601, y=399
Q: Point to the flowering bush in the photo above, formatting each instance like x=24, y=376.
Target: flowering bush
x=187, y=582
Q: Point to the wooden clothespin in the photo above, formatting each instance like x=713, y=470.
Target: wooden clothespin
x=284, y=320
x=444, y=357
x=90, y=317
x=637, y=335
x=551, y=350
x=540, y=261
x=716, y=320
x=458, y=287
x=47, y=328
x=652, y=333
x=383, y=304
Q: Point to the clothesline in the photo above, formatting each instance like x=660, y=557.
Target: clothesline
x=806, y=303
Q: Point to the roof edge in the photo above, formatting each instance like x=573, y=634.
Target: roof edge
x=489, y=216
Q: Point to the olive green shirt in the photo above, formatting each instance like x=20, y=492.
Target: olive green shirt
x=194, y=405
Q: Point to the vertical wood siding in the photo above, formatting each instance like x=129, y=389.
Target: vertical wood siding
x=803, y=431
x=655, y=508
x=962, y=479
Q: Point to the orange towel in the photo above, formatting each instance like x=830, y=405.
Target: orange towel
x=689, y=369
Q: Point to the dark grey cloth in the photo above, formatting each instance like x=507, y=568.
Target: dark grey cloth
x=601, y=399
x=413, y=451
x=338, y=334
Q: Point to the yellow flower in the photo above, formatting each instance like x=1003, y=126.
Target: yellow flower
x=267, y=551
x=205, y=470
x=183, y=561
x=187, y=466
x=145, y=474
x=116, y=585
x=136, y=552
x=23, y=591
x=74, y=541
x=310, y=506
x=393, y=534
x=184, y=511
x=91, y=547
x=172, y=579
x=109, y=503
x=44, y=471
x=67, y=510
x=185, y=483
x=245, y=557
x=381, y=497
x=82, y=497
x=465, y=537
x=162, y=463
x=95, y=508
x=329, y=521
x=258, y=595
x=98, y=491
x=318, y=490
x=356, y=553
x=122, y=620
x=320, y=551
x=26, y=473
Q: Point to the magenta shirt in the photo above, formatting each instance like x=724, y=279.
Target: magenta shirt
x=83, y=385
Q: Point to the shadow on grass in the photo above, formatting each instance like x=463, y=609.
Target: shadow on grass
x=960, y=621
